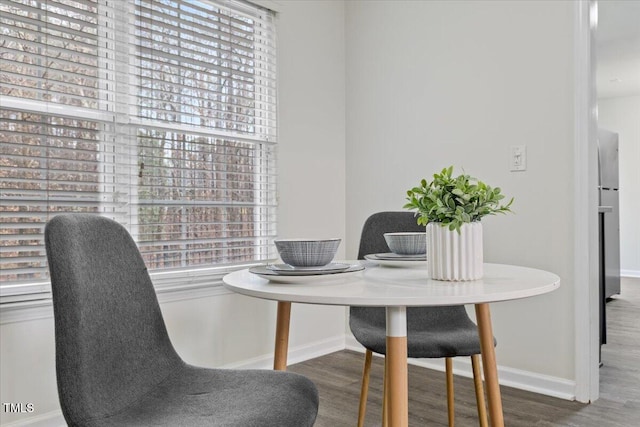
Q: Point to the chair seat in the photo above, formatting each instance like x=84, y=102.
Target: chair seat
x=194, y=396
x=460, y=341
x=431, y=333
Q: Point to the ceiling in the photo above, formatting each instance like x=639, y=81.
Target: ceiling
x=618, y=48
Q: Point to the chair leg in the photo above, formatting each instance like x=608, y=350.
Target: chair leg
x=477, y=380
x=385, y=396
x=449, y=374
x=364, y=390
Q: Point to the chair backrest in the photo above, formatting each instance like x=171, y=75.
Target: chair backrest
x=372, y=238
x=112, y=345
x=372, y=241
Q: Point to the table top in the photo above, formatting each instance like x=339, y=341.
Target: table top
x=383, y=286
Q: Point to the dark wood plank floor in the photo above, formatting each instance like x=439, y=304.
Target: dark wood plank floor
x=337, y=377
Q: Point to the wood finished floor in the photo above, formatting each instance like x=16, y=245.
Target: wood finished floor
x=337, y=377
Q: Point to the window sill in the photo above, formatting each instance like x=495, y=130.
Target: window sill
x=170, y=286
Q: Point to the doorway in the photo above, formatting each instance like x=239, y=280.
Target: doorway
x=617, y=51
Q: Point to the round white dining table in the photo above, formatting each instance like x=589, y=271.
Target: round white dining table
x=396, y=289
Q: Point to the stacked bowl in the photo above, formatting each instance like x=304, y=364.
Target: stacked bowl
x=307, y=252
x=407, y=243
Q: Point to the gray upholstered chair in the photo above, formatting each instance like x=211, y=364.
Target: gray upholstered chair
x=115, y=364
x=432, y=332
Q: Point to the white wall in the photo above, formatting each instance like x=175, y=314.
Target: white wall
x=312, y=120
x=622, y=115
x=229, y=329
x=433, y=84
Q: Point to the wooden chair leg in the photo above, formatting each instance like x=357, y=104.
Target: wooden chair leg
x=477, y=380
x=385, y=396
x=449, y=374
x=364, y=390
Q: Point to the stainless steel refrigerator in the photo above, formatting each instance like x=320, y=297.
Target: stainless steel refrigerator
x=609, y=197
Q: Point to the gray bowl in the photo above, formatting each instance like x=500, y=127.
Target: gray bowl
x=407, y=243
x=307, y=252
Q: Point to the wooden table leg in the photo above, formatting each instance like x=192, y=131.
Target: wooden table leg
x=483, y=317
x=397, y=383
x=282, y=336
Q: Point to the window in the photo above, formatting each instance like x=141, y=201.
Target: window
x=157, y=113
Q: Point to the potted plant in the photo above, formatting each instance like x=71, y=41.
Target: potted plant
x=451, y=208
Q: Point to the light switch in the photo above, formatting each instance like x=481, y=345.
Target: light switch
x=518, y=157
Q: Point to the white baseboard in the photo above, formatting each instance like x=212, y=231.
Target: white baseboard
x=295, y=355
x=630, y=273
x=509, y=377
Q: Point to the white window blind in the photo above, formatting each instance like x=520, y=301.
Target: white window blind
x=158, y=113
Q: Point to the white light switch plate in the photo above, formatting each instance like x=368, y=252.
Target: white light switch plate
x=518, y=158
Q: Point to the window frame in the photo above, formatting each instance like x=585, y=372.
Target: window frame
x=171, y=280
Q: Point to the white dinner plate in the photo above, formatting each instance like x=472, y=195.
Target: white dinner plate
x=275, y=276
x=397, y=262
x=305, y=271
x=398, y=257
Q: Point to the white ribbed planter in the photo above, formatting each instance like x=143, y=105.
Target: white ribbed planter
x=454, y=256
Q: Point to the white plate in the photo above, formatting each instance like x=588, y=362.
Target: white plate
x=421, y=263
x=305, y=271
x=398, y=257
x=274, y=276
